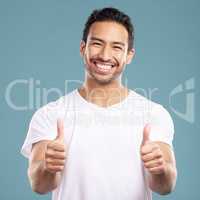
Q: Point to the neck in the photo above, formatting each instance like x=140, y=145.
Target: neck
x=103, y=95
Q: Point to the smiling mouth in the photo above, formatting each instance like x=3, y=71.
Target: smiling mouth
x=104, y=68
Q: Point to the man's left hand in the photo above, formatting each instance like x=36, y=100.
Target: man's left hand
x=151, y=154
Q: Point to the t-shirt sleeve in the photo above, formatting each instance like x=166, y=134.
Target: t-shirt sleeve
x=42, y=127
x=162, y=126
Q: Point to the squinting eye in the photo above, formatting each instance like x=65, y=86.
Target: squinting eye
x=117, y=47
x=96, y=43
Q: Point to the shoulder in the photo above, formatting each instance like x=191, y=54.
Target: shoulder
x=143, y=104
x=56, y=108
x=143, y=101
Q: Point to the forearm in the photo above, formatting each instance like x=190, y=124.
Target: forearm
x=163, y=183
x=42, y=181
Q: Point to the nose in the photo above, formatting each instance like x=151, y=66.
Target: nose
x=106, y=53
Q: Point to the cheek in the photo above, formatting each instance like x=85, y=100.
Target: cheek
x=87, y=56
x=89, y=53
x=92, y=51
x=121, y=57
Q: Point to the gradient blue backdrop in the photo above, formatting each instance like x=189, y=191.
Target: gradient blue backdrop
x=40, y=40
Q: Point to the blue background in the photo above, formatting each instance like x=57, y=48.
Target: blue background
x=40, y=40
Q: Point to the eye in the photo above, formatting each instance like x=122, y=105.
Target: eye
x=117, y=47
x=96, y=43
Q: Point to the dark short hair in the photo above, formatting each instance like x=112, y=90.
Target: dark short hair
x=110, y=14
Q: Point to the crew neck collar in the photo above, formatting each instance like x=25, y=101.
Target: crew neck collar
x=95, y=106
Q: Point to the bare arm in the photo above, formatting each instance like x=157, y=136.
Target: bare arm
x=41, y=180
x=159, y=160
x=46, y=163
x=165, y=181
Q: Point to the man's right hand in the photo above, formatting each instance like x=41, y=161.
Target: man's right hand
x=55, y=153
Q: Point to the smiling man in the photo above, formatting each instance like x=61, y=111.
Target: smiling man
x=102, y=141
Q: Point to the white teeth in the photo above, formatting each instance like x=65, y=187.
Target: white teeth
x=104, y=67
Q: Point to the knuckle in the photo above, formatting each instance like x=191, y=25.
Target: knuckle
x=49, y=145
x=62, y=145
x=153, y=155
x=59, y=168
x=48, y=151
x=146, y=165
x=151, y=169
x=59, y=155
x=144, y=151
x=144, y=158
x=161, y=169
x=48, y=166
x=158, y=153
x=47, y=160
x=160, y=161
x=62, y=162
x=64, y=155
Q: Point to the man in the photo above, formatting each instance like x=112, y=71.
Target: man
x=102, y=141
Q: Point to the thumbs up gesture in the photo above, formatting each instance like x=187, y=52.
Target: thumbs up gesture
x=151, y=154
x=55, y=153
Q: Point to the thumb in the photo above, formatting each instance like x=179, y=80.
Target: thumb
x=60, y=130
x=146, y=133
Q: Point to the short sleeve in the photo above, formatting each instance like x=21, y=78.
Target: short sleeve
x=42, y=127
x=162, y=126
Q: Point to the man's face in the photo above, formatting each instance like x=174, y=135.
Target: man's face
x=106, y=52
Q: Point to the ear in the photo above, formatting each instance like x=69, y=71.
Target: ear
x=82, y=48
x=130, y=56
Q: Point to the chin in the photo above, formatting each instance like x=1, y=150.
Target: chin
x=102, y=81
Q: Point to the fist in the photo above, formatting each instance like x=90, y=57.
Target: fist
x=151, y=154
x=55, y=153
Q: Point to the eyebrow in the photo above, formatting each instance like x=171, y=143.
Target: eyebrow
x=114, y=42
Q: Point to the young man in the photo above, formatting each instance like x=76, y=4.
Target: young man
x=102, y=141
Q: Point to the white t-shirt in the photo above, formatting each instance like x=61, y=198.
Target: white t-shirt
x=103, y=161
